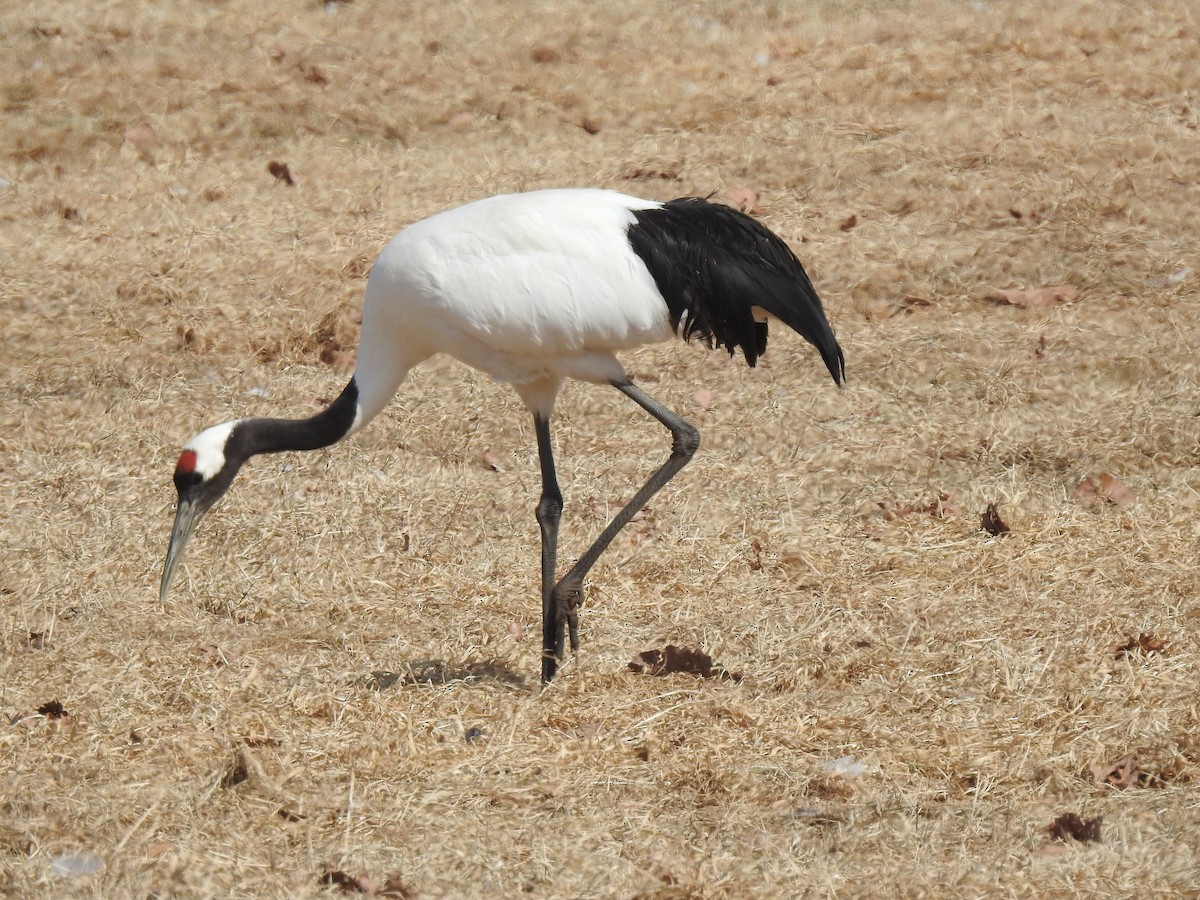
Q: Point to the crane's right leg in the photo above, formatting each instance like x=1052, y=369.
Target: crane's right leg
x=566, y=596
x=549, y=512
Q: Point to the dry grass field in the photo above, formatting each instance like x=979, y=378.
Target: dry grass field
x=340, y=695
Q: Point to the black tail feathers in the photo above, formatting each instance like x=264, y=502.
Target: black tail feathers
x=714, y=265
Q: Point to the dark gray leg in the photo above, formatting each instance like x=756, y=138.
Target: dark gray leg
x=565, y=598
x=549, y=512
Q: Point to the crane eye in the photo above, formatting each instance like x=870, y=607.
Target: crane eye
x=185, y=480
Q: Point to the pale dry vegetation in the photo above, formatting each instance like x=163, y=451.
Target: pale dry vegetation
x=919, y=700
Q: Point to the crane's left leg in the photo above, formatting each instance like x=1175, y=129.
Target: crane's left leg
x=549, y=512
x=565, y=599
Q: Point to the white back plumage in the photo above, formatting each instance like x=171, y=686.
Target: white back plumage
x=529, y=287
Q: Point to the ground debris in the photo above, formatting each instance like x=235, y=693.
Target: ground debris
x=672, y=660
x=52, y=710
x=892, y=510
x=1143, y=643
x=492, y=460
x=992, y=523
x=281, y=172
x=889, y=307
x=1103, y=488
x=1121, y=774
x=237, y=771
x=393, y=886
x=1032, y=298
x=1071, y=826
x=213, y=655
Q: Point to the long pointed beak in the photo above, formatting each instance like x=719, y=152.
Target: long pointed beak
x=187, y=514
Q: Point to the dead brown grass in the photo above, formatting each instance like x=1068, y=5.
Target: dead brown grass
x=154, y=278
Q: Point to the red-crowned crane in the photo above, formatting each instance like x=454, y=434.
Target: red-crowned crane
x=535, y=288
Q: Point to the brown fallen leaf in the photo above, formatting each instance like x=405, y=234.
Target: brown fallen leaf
x=544, y=53
x=159, y=848
x=909, y=302
x=52, y=710
x=746, y=200
x=889, y=308
x=347, y=883
x=312, y=73
x=1069, y=825
x=1103, y=488
x=849, y=223
x=1032, y=216
x=756, y=564
x=671, y=660
x=237, y=771
x=1032, y=298
x=281, y=172
x=141, y=138
x=992, y=523
x=943, y=507
x=395, y=887
x=392, y=887
x=1143, y=643
x=491, y=459
x=1121, y=774
x=213, y=655
x=334, y=356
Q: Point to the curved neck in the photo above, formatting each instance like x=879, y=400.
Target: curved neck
x=328, y=426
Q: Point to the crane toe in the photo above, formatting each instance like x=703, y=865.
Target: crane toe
x=566, y=598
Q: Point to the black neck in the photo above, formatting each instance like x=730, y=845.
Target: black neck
x=330, y=425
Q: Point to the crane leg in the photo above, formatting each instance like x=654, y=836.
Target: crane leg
x=560, y=609
x=549, y=512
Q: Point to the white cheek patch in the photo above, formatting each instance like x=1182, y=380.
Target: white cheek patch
x=209, y=447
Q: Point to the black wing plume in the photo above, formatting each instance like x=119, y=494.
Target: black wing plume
x=712, y=264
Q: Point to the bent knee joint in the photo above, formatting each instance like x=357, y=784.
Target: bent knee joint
x=549, y=508
x=686, y=441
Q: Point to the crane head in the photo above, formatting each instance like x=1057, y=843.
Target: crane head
x=203, y=473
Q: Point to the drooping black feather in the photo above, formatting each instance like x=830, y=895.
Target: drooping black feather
x=713, y=264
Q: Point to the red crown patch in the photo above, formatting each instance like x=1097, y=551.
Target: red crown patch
x=187, y=462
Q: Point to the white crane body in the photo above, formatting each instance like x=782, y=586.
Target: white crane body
x=502, y=285
x=533, y=289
